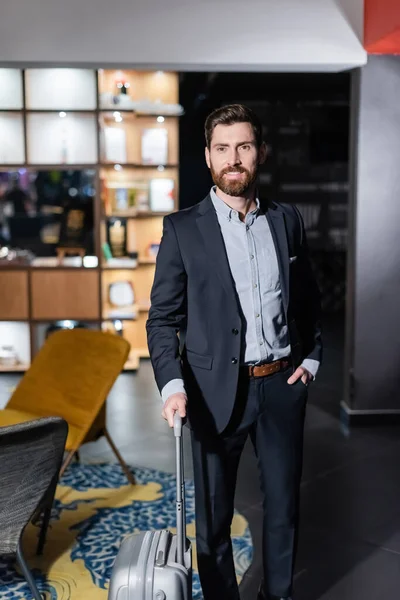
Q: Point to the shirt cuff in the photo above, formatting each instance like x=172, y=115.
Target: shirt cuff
x=175, y=386
x=311, y=365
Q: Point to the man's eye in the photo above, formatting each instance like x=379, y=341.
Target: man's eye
x=221, y=149
x=245, y=147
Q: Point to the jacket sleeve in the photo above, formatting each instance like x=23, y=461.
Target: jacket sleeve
x=168, y=308
x=312, y=300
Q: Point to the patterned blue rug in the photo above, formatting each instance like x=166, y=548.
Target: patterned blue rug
x=95, y=509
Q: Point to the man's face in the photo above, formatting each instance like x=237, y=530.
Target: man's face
x=234, y=158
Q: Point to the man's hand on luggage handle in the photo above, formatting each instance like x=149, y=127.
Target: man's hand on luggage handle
x=306, y=377
x=176, y=402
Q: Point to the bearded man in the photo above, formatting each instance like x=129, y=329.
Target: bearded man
x=234, y=337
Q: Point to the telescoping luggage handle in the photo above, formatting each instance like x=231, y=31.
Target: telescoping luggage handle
x=180, y=492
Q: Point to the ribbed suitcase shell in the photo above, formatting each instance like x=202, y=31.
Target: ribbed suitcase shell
x=146, y=569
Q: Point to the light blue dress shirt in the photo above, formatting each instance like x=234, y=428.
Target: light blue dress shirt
x=254, y=266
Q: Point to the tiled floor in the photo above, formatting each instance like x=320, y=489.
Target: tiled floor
x=350, y=533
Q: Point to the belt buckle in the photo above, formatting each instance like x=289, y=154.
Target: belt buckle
x=251, y=370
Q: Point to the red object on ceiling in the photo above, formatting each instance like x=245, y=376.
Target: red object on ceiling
x=382, y=26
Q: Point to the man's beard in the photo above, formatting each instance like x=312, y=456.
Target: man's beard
x=231, y=187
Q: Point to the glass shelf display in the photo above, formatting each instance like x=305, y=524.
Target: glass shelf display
x=10, y=89
x=12, y=151
x=43, y=210
x=138, y=192
x=145, y=92
x=89, y=167
x=60, y=89
x=64, y=138
x=128, y=139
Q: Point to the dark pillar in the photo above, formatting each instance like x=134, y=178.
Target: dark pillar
x=372, y=387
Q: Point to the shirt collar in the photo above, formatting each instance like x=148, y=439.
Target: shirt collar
x=229, y=213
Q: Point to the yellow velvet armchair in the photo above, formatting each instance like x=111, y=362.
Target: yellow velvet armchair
x=70, y=377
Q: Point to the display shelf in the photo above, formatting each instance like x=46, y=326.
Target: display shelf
x=60, y=89
x=15, y=341
x=125, y=329
x=61, y=140
x=136, y=166
x=56, y=120
x=20, y=368
x=138, y=215
x=128, y=139
x=142, y=235
x=140, y=193
x=12, y=148
x=138, y=115
x=144, y=91
x=11, y=96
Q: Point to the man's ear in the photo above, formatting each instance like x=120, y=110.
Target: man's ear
x=207, y=154
x=262, y=153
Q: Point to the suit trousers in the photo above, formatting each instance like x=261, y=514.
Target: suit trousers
x=271, y=412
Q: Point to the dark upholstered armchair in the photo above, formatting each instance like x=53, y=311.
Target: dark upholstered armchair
x=31, y=455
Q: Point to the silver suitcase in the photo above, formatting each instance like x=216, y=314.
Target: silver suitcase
x=157, y=565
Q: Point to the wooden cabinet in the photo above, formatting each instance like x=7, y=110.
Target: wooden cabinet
x=65, y=294
x=14, y=301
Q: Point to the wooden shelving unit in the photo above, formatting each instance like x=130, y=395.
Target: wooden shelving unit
x=35, y=295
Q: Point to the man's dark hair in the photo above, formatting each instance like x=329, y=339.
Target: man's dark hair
x=230, y=114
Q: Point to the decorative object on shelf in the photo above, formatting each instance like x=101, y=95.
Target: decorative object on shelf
x=74, y=226
x=155, y=146
x=120, y=293
x=63, y=251
x=15, y=256
x=106, y=250
x=8, y=356
x=122, y=86
x=116, y=234
x=115, y=145
x=127, y=198
x=50, y=233
x=122, y=297
x=162, y=195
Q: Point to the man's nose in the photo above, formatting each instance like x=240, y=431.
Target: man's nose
x=233, y=158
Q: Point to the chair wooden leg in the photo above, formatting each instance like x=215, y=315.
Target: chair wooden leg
x=66, y=462
x=27, y=574
x=121, y=461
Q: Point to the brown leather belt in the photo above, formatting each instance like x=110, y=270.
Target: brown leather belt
x=267, y=368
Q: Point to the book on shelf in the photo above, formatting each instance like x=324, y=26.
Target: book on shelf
x=155, y=146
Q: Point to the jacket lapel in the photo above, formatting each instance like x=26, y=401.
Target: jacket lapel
x=207, y=222
x=276, y=220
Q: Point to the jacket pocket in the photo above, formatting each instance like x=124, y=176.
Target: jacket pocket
x=203, y=361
